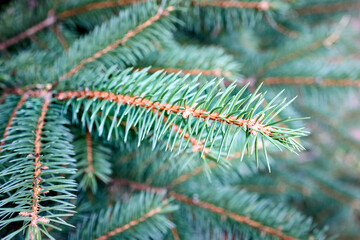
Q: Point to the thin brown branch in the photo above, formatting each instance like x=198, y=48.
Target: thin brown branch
x=212, y=208
x=131, y=224
x=89, y=152
x=328, y=8
x=13, y=114
x=223, y=212
x=138, y=186
x=290, y=56
x=194, y=172
x=261, y=6
x=122, y=41
x=38, y=42
x=175, y=233
x=196, y=145
x=338, y=196
x=312, y=81
x=56, y=30
x=183, y=72
x=2, y=98
x=94, y=6
x=280, y=28
x=200, y=169
x=50, y=20
x=35, y=218
x=328, y=41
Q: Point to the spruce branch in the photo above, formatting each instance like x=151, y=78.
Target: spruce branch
x=57, y=31
x=261, y=5
x=213, y=208
x=38, y=42
x=311, y=81
x=299, y=52
x=192, y=60
x=132, y=223
x=280, y=28
x=318, y=184
x=3, y=97
x=223, y=212
x=216, y=116
x=89, y=152
x=175, y=233
x=161, y=12
x=138, y=101
x=13, y=114
x=130, y=219
x=93, y=161
x=38, y=167
x=50, y=20
x=138, y=186
x=183, y=72
x=194, y=172
x=53, y=18
x=94, y=6
x=326, y=8
x=38, y=152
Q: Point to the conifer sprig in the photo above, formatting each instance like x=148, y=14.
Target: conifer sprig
x=189, y=111
x=259, y=5
x=234, y=214
x=203, y=113
x=93, y=161
x=161, y=12
x=241, y=219
x=311, y=81
x=13, y=114
x=36, y=157
x=54, y=18
x=130, y=219
x=194, y=60
x=327, y=7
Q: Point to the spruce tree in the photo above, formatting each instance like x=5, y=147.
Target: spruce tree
x=143, y=119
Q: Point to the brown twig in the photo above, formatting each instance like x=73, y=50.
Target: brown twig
x=212, y=208
x=94, y=6
x=223, y=212
x=130, y=224
x=312, y=81
x=157, y=106
x=138, y=186
x=122, y=41
x=327, y=8
x=35, y=218
x=50, y=20
x=183, y=72
x=261, y=6
x=89, y=152
x=38, y=42
x=175, y=233
x=328, y=41
x=280, y=28
x=3, y=97
x=200, y=169
x=56, y=30
x=194, y=172
x=13, y=114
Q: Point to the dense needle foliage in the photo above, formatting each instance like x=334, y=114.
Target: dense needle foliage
x=144, y=119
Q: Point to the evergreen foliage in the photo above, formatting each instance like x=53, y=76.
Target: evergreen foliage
x=144, y=119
